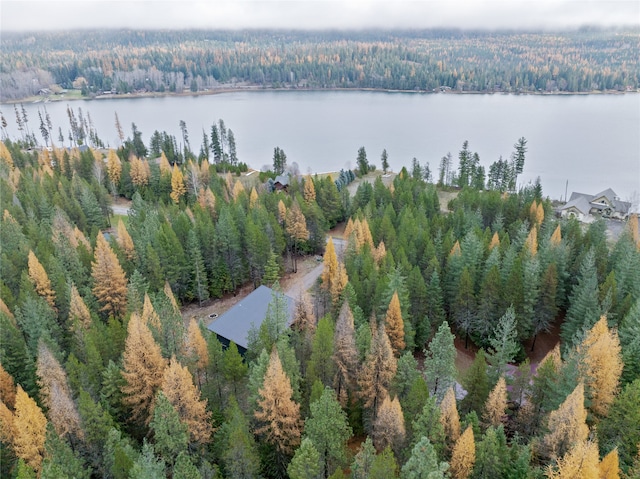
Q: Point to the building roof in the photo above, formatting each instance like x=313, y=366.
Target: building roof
x=234, y=325
x=609, y=194
x=581, y=203
x=282, y=179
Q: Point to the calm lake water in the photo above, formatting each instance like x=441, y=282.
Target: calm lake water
x=593, y=141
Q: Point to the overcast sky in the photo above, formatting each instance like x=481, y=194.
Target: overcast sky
x=317, y=14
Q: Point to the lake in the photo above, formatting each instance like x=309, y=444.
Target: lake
x=593, y=141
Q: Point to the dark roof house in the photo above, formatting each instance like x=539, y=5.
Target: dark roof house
x=281, y=182
x=234, y=325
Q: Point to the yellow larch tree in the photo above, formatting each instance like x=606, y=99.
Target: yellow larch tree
x=495, y=241
x=184, y=396
x=463, y=456
x=282, y=212
x=7, y=427
x=204, y=172
x=309, y=191
x=238, y=189
x=345, y=355
x=140, y=172
x=455, y=249
x=81, y=238
x=602, y=365
x=348, y=230
x=172, y=299
x=296, y=228
x=388, y=427
x=5, y=309
x=30, y=427
x=109, y=279
x=449, y=417
x=55, y=394
x=195, y=351
x=7, y=388
x=253, y=197
x=556, y=237
x=378, y=370
x=334, y=276
x=178, y=188
x=149, y=315
x=609, y=467
x=567, y=424
x=62, y=229
x=124, y=240
x=278, y=415
x=365, y=233
x=495, y=407
x=581, y=461
x=78, y=310
x=165, y=166
x=143, y=369
x=114, y=167
x=207, y=200
x=5, y=155
x=539, y=214
x=379, y=253
x=531, y=242
x=40, y=280
x=395, y=325
x=633, y=228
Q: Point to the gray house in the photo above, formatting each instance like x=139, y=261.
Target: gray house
x=586, y=207
x=234, y=325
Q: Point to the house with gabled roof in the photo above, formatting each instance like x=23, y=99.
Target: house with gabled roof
x=247, y=314
x=587, y=208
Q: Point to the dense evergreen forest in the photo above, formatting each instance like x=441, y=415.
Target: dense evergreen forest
x=124, y=61
x=100, y=375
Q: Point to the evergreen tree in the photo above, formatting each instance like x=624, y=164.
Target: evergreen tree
x=147, y=465
x=363, y=460
x=621, y=428
x=184, y=467
x=384, y=465
x=362, y=162
x=439, y=365
x=240, y=456
x=504, y=345
x=328, y=429
x=464, y=307
x=476, y=382
x=61, y=460
x=427, y=424
x=384, y=161
x=321, y=365
x=492, y=455
x=423, y=463
x=584, y=310
x=199, y=287
x=170, y=433
x=629, y=332
x=306, y=462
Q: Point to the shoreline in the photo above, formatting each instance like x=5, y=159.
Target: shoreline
x=257, y=88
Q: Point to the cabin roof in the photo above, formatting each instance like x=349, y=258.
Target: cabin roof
x=234, y=325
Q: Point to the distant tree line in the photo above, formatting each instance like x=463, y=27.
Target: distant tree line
x=129, y=61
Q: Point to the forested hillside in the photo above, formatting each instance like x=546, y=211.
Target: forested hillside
x=100, y=375
x=115, y=61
